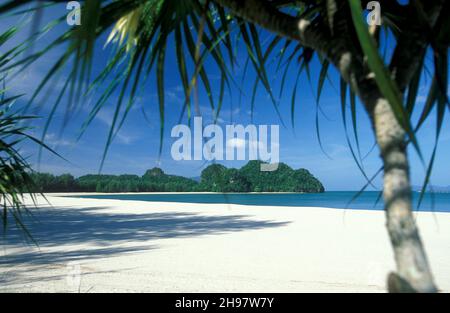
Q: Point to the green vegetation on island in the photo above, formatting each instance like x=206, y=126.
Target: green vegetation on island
x=214, y=178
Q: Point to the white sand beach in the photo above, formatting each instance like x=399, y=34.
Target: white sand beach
x=132, y=246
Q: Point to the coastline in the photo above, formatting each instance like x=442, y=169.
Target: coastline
x=64, y=194
x=135, y=246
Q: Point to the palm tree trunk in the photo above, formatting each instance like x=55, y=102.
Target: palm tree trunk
x=414, y=274
x=413, y=270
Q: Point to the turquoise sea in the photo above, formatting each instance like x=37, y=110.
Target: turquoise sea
x=439, y=202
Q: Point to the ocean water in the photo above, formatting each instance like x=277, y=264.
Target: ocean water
x=333, y=199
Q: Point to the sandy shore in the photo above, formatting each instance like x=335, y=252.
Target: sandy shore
x=88, y=245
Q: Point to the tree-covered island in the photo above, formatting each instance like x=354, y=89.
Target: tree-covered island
x=214, y=178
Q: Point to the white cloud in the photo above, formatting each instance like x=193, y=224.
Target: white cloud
x=236, y=143
x=106, y=116
x=53, y=140
x=125, y=138
x=254, y=144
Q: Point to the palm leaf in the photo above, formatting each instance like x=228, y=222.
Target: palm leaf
x=382, y=77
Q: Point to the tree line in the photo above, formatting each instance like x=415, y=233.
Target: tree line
x=214, y=178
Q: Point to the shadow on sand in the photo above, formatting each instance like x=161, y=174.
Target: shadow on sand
x=106, y=234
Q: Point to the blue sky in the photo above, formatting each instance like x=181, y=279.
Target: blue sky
x=135, y=149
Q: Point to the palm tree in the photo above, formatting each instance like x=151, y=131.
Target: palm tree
x=333, y=30
x=15, y=178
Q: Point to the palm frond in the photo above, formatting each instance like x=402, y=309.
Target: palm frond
x=15, y=172
x=140, y=30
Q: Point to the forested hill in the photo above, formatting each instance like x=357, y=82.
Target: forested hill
x=214, y=178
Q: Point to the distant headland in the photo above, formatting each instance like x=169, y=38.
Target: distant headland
x=214, y=178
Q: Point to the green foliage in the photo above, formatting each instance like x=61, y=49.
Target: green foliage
x=50, y=183
x=284, y=179
x=154, y=172
x=382, y=75
x=154, y=180
x=250, y=178
x=214, y=178
x=217, y=178
x=15, y=178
